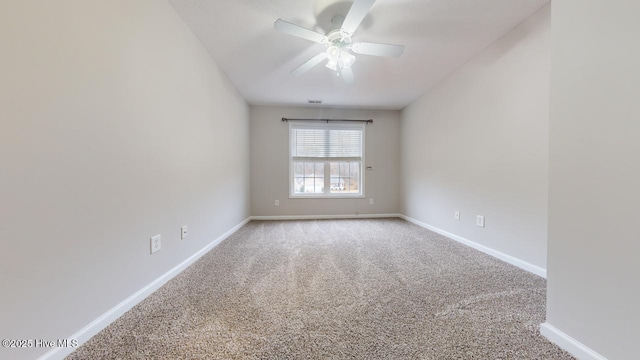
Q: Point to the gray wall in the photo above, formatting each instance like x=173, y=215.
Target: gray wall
x=594, y=175
x=115, y=125
x=478, y=143
x=270, y=163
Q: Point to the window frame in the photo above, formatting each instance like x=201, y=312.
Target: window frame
x=327, y=167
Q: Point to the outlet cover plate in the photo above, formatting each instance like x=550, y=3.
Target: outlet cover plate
x=184, y=232
x=480, y=220
x=456, y=215
x=156, y=244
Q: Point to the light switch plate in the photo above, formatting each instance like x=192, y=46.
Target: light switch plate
x=184, y=231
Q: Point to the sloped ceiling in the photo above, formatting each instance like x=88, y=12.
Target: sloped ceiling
x=439, y=36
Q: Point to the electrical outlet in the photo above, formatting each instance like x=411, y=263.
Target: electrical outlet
x=156, y=244
x=370, y=201
x=277, y=203
x=480, y=220
x=456, y=215
x=184, y=231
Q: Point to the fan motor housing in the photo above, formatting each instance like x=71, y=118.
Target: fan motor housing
x=338, y=38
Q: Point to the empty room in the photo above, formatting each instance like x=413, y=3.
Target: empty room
x=319, y=179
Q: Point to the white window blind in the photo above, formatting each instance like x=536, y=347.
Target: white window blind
x=326, y=143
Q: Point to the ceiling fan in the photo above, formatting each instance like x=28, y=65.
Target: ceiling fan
x=338, y=43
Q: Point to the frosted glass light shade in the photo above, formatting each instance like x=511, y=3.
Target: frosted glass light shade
x=346, y=59
x=332, y=64
x=333, y=52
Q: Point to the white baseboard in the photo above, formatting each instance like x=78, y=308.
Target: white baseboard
x=323, y=217
x=534, y=269
x=566, y=342
x=94, y=327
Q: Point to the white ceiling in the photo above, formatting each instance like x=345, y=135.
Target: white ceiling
x=439, y=36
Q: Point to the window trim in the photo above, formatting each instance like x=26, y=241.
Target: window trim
x=361, y=195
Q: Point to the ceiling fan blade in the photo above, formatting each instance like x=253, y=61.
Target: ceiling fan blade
x=309, y=64
x=358, y=11
x=347, y=76
x=297, y=30
x=386, y=50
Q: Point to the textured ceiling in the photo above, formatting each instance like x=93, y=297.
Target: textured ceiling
x=439, y=36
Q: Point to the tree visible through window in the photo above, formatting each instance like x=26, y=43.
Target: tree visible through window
x=326, y=160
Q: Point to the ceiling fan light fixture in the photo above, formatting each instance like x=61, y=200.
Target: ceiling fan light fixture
x=332, y=64
x=333, y=52
x=346, y=59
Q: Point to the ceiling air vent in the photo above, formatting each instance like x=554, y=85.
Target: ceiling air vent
x=315, y=101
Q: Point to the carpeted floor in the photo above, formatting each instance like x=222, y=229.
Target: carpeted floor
x=336, y=289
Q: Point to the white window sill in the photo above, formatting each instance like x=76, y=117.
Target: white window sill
x=326, y=196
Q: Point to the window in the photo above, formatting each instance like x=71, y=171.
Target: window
x=326, y=160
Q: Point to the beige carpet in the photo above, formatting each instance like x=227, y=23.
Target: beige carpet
x=336, y=289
